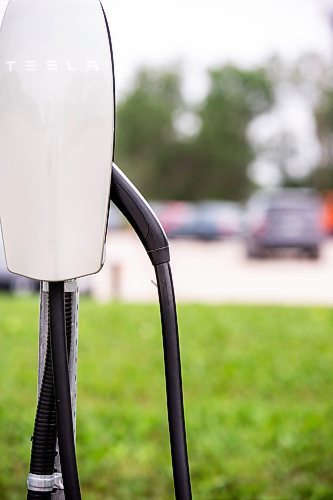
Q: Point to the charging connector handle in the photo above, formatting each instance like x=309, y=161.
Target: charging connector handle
x=141, y=217
x=148, y=228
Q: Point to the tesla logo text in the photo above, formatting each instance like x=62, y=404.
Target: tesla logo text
x=51, y=65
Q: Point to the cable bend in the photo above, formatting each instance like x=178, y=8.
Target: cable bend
x=139, y=214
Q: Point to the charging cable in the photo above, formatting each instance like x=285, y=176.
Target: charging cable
x=145, y=223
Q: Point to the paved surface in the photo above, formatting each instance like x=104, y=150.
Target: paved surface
x=214, y=272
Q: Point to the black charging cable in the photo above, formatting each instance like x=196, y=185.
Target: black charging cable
x=62, y=391
x=44, y=437
x=173, y=380
x=145, y=223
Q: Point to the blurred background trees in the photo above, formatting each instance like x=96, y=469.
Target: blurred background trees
x=146, y=135
x=323, y=175
x=234, y=99
x=173, y=149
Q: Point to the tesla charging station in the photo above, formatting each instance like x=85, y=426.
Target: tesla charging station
x=57, y=177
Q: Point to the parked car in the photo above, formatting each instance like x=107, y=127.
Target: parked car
x=284, y=218
x=116, y=220
x=13, y=282
x=211, y=220
x=173, y=215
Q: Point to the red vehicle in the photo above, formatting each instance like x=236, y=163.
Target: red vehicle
x=328, y=213
x=173, y=214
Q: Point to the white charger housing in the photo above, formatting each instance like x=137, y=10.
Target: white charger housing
x=56, y=137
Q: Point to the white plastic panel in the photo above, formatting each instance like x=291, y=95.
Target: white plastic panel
x=56, y=137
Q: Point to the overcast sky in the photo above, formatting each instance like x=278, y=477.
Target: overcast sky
x=203, y=33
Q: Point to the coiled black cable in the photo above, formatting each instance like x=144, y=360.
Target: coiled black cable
x=62, y=392
x=39, y=495
x=173, y=379
x=45, y=429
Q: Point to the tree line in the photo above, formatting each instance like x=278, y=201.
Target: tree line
x=175, y=150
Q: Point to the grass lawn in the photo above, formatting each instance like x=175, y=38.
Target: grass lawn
x=258, y=385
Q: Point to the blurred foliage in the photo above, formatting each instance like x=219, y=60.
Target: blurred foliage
x=313, y=78
x=210, y=164
x=323, y=176
x=213, y=160
x=223, y=149
x=145, y=132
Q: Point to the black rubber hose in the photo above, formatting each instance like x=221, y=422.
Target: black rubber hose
x=145, y=223
x=62, y=392
x=39, y=495
x=173, y=378
x=45, y=430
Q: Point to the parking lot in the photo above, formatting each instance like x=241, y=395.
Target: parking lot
x=216, y=272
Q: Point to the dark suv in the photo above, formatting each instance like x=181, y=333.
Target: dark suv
x=284, y=218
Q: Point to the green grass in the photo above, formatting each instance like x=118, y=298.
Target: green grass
x=258, y=384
